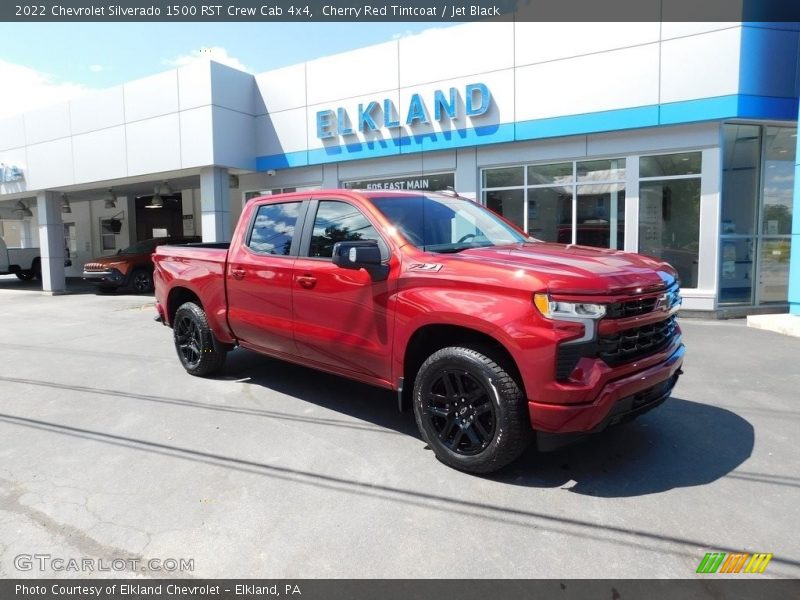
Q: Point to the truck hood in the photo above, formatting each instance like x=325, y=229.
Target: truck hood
x=578, y=270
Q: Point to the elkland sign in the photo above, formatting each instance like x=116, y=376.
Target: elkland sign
x=10, y=173
x=375, y=115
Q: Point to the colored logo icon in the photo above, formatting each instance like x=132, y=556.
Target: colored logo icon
x=721, y=562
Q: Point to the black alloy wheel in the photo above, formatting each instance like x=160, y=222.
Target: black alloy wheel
x=460, y=411
x=188, y=341
x=198, y=350
x=470, y=409
x=142, y=281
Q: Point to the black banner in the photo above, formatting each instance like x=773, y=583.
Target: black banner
x=744, y=588
x=399, y=10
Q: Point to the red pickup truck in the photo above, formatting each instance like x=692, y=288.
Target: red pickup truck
x=490, y=335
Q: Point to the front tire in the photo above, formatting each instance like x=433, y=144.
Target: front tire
x=198, y=350
x=470, y=410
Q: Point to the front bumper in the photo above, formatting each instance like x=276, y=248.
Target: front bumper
x=617, y=400
x=110, y=277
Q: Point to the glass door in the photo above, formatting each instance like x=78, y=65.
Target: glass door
x=738, y=243
x=755, y=232
x=776, y=215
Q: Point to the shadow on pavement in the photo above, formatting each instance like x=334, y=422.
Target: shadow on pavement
x=679, y=444
x=345, y=396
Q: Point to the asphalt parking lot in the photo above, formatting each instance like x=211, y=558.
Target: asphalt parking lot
x=109, y=450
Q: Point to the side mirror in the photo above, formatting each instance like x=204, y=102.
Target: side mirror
x=361, y=255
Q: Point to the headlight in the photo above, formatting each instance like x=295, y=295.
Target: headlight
x=555, y=309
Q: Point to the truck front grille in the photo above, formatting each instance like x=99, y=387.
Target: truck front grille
x=641, y=306
x=631, y=308
x=636, y=343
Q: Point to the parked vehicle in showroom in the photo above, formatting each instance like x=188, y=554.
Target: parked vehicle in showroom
x=490, y=335
x=130, y=267
x=25, y=263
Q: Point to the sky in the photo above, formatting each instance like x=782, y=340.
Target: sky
x=45, y=63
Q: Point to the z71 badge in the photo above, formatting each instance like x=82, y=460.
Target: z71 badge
x=425, y=267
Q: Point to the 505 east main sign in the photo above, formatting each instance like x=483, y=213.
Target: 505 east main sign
x=375, y=115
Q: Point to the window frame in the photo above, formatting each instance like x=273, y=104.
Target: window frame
x=104, y=235
x=573, y=185
x=656, y=178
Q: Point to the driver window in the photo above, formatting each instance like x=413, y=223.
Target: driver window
x=339, y=222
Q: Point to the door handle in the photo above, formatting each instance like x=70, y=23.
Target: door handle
x=238, y=273
x=307, y=281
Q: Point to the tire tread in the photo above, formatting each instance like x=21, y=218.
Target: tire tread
x=516, y=427
x=213, y=354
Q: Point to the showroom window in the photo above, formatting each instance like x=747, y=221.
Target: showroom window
x=669, y=211
x=574, y=202
x=108, y=240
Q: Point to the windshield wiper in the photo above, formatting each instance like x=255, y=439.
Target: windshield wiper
x=456, y=249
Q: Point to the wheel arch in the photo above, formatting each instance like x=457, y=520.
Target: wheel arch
x=177, y=296
x=429, y=338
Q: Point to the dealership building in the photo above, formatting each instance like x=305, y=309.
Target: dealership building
x=676, y=140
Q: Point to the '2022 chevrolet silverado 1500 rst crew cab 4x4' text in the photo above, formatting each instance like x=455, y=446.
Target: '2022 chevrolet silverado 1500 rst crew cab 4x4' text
x=489, y=334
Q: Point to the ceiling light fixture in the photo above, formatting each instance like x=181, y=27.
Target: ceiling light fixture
x=164, y=189
x=22, y=210
x=156, y=201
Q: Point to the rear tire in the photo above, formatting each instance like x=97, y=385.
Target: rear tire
x=198, y=350
x=24, y=275
x=470, y=410
x=142, y=281
x=37, y=269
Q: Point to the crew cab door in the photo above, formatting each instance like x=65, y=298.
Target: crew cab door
x=341, y=319
x=259, y=277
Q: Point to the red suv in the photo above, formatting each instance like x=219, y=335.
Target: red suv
x=131, y=267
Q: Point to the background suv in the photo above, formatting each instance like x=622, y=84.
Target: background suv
x=131, y=267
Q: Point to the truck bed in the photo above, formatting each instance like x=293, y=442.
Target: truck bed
x=199, y=268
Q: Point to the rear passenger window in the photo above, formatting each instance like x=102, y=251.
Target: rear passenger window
x=274, y=228
x=339, y=222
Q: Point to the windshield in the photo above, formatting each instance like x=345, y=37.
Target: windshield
x=142, y=247
x=440, y=224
